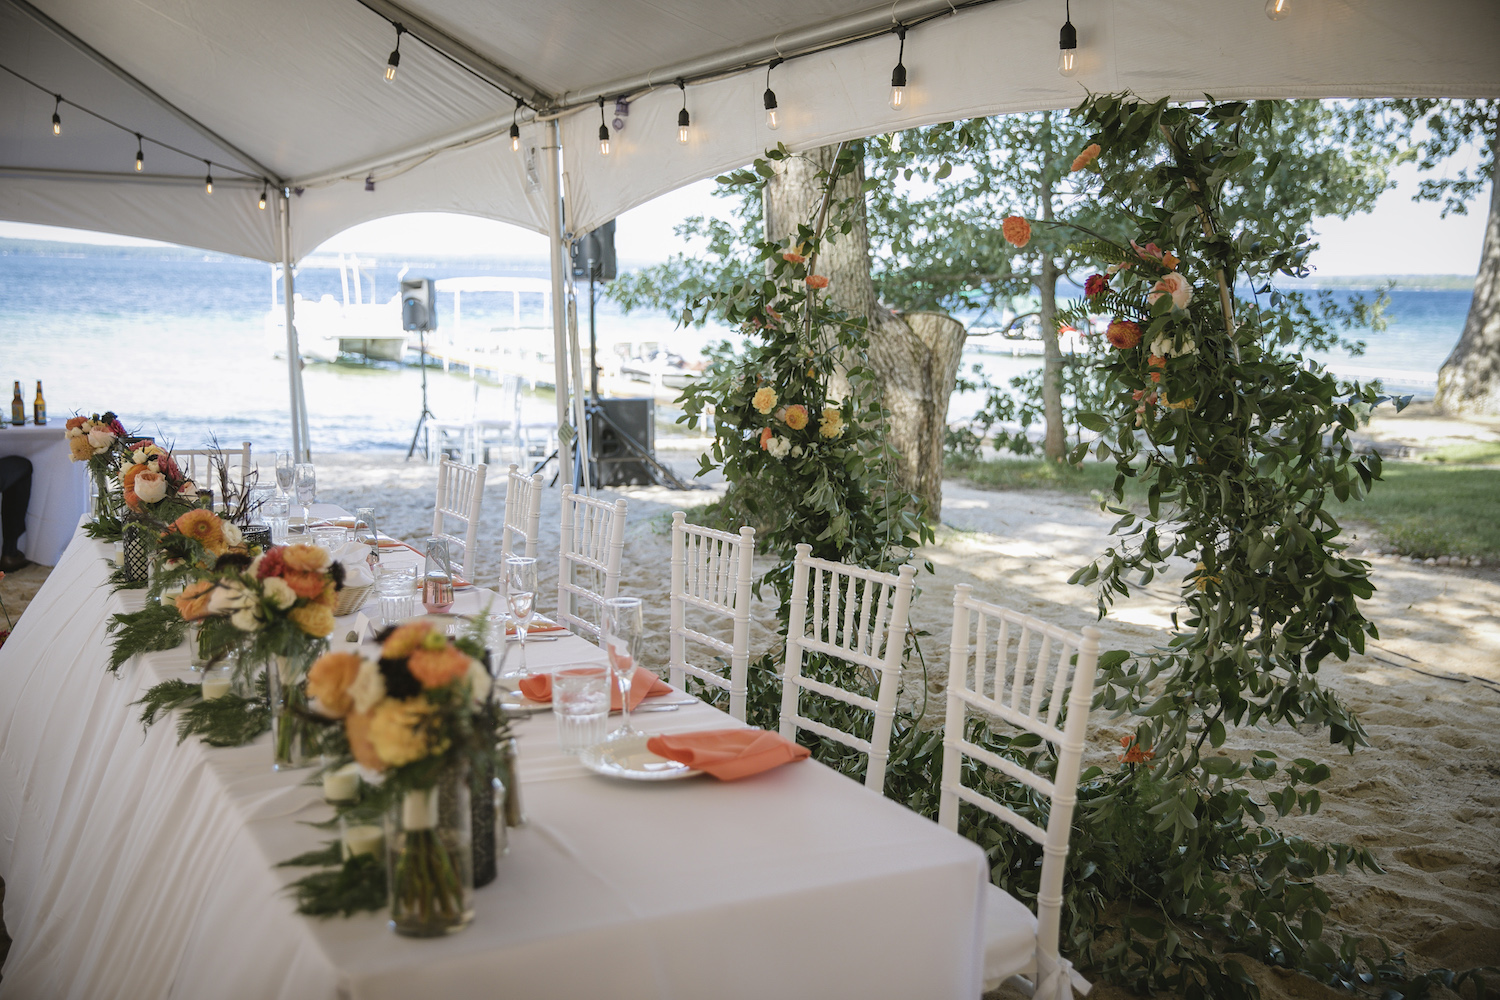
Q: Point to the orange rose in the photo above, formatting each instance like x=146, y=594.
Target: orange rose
x=816, y=281
x=766, y=434
x=192, y=603
x=314, y=619
x=400, y=643
x=304, y=584
x=76, y=422
x=1089, y=155
x=793, y=258
x=357, y=729
x=309, y=558
x=329, y=680
x=436, y=667
x=127, y=478
x=1017, y=231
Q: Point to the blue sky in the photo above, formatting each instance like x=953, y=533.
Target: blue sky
x=1398, y=237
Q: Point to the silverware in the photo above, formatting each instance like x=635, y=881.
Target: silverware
x=533, y=638
x=655, y=708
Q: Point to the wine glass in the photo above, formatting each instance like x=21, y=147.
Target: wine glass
x=621, y=632
x=284, y=466
x=520, y=594
x=305, y=478
x=366, y=532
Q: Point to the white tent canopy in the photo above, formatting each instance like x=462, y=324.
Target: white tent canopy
x=289, y=95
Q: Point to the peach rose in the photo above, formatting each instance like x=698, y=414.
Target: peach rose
x=1174, y=285
x=304, y=584
x=764, y=399
x=791, y=257
x=127, y=478
x=329, y=680
x=150, y=487
x=192, y=603
x=308, y=558
x=436, y=667
x=816, y=281
x=76, y=422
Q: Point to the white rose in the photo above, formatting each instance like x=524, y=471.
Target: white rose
x=779, y=447
x=368, y=688
x=189, y=489
x=278, y=592
x=138, y=456
x=479, y=681
x=229, y=595
x=150, y=486
x=232, y=533
x=796, y=451
x=1163, y=347
x=99, y=438
x=246, y=619
x=74, y=432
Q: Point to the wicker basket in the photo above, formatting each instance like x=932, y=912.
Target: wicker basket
x=351, y=599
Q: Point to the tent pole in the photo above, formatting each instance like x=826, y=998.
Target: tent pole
x=301, y=447
x=559, y=303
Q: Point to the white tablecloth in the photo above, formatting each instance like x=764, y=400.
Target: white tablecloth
x=135, y=867
x=59, y=489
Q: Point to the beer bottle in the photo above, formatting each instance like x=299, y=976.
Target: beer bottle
x=39, y=408
x=17, y=407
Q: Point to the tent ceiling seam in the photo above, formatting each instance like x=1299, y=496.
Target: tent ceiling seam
x=104, y=61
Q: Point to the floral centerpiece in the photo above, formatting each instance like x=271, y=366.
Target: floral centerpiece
x=282, y=602
x=153, y=485
x=419, y=719
x=97, y=440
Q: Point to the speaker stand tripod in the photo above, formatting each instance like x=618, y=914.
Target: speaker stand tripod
x=426, y=413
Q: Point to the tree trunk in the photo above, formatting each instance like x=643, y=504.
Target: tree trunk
x=1469, y=381
x=1056, y=442
x=915, y=357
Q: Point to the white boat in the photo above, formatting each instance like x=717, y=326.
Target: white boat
x=328, y=327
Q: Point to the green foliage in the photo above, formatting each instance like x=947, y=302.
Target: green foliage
x=227, y=721
x=344, y=888
x=1436, y=130
x=1430, y=511
x=152, y=628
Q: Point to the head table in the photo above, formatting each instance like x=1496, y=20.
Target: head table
x=137, y=867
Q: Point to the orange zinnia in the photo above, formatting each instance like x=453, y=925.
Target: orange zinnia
x=436, y=667
x=1017, y=231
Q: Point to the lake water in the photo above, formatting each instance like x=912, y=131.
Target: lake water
x=176, y=342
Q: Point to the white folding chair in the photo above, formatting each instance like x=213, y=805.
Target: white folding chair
x=460, y=496
x=712, y=572
x=864, y=623
x=992, y=669
x=197, y=463
x=523, y=513
x=591, y=545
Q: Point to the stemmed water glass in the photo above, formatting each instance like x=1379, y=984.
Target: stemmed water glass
x=365, y=531
x=284, y=466
x=305, y=478
x=520, y=595
x=621, y=633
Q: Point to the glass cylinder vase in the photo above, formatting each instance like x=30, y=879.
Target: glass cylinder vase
x=295, y=732
x=429, y=858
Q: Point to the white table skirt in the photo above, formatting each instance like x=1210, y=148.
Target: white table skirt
x=59, y=489
x=136, y=867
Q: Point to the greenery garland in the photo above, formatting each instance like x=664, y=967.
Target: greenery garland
x=345, y=886
x=226, y=721
x=155, y=627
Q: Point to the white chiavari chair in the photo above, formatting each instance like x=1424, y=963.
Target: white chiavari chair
x=523, y=514
x=591, y=545
x=711, y=573
x=197, y=464
x=1018, y=670
x=858, y=616
x=460, y=496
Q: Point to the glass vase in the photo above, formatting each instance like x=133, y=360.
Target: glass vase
x=429, y=858
x=295, y=732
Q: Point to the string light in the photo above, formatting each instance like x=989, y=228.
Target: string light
x=395, y=59
x=603, y=131
x=56, y=118
x=1277, y=9
x=515, y=129
x=1067, y=44
x=208, y=182
x=773, y=117
x=140, y=154
x=898, y=75
x=262, y=203
x=683, y=121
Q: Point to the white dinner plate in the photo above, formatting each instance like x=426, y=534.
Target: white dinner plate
x=631, y=760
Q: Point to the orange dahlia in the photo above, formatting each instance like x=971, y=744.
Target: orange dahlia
x=1017, y=231
x=1123, y=334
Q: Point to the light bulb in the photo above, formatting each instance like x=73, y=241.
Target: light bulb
x=1067, y=61
x=895, y=142
x=773, y=116
x=208, y=184
x=1277, y=9
x=390, y=67
x=515, y=138
x=898, y=87
x=56, y=124
x=603, y=130
x=682, y=126
x=682, y=134
x=1067, y=45
x=140, y=161
x=898, y=97
x=262, y=204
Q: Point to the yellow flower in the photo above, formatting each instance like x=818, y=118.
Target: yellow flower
x=204, y=527
x=314, y=619
x=832, y=424
x=400, y=643
x=764, y=400
x=398, y=731
x=796, y=416
x=305, y=557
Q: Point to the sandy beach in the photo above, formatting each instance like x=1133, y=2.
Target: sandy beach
x=1424, y=796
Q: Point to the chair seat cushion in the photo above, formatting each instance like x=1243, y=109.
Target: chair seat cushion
x=1009, y=937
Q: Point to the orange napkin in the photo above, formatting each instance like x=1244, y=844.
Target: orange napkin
x=537, y=627
x=728, y=754
x=538, y=687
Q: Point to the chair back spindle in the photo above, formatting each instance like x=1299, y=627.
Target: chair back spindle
x=711, y=573
x=590, y=547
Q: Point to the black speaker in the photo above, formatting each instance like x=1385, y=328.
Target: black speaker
x=612, y=460
x=599, y=247
x=418, y=305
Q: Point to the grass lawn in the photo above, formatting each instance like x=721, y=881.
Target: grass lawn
x=1417, y=509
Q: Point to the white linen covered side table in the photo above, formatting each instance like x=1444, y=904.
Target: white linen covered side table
x=59, y=488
